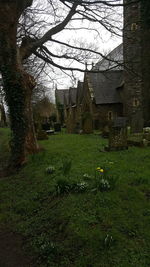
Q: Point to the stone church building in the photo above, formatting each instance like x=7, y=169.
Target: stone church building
x=121, y=87
x=136, y=54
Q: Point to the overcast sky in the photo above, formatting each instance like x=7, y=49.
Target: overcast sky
x=97, y=38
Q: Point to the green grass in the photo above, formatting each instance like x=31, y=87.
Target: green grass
x=69, y=220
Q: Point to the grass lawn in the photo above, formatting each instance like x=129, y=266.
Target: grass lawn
x=77, y=216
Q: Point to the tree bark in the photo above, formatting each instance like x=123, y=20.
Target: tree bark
x=31, y=144
x=3, y=115
x=18, y=87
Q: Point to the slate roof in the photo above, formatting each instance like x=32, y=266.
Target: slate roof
x=61, y=95
x=103, y=83
x=66, y=97
x=114, y=58
x=72, y=95
x=104, y=86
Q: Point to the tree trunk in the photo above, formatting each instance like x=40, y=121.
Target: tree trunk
x=31, y=144
x=3, y=115
x=17, y=87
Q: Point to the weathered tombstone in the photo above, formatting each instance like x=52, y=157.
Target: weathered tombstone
x=128, y=130
x=77, y=128
x=105, y=131
x=118, y=135
x=57, y=127
x=46, y=126
x=50, y=132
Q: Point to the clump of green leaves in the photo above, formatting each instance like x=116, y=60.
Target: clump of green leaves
x=108, y=241
x=50, y=169
x=86, y=176
x=104, y=181
x=44, y=247
x=103, y=185
x=64, y=186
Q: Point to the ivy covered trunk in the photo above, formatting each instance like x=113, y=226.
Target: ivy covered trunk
x=31, y=144
x=3, y=114
x=17, y=87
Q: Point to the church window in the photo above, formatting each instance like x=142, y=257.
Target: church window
x=136, y=102
x=134, y=26
x=110, y=115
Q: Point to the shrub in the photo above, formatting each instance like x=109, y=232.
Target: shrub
x=104, y=181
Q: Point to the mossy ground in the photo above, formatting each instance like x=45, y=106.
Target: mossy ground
x=75, y=226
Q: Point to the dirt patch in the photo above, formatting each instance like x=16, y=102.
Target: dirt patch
x=11, y=250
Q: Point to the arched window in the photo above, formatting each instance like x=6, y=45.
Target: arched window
x=134, y=27
x=110, y=115
x=135, y=102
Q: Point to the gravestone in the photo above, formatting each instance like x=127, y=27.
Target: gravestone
x=50, y=132
x=105, y=131
x=46, y=126
x=77, y=128
x=118, y=135
x=57, y=127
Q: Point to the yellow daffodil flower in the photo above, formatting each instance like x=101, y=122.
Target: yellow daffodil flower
x=98, y=168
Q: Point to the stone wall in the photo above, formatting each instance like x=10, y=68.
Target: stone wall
x=132, y=41
x=145, y=19
x=101, y=114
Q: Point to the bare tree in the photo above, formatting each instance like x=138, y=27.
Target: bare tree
x=2, y=107
x=41, y=35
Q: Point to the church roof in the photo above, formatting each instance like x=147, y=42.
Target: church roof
x=66, y=96
x=103, y=83
x=61, y=95
x=72, y=95
x=114, y=60
x=104, y=86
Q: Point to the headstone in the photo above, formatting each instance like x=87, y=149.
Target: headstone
x=77, y=128
x=118, y=135
x=46, y=126
x=128, y=131
x=50, y=132
x=57, y=127
x=105, y=131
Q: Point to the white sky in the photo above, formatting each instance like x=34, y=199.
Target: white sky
x=104, y=41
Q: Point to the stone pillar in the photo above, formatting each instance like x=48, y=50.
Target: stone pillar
x=132, y=46
x=145, y=15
